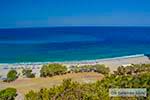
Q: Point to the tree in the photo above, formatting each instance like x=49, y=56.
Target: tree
x=101, y=69
x=91, y=68
x=52, y=69
x=8, y=94
x=28, y=73
x=12, y=75
x=32, y=96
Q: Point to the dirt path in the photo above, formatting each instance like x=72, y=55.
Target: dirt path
x=20, y=96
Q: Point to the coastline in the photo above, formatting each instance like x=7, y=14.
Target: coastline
x=112, y=63
x=76, y=61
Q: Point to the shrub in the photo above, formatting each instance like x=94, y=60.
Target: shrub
x=91, y=68
x=134, y=69
x=32, y=96
x=101, y=69
x=12, y=75
x=8, y=94
x=52, y=69
x=28, y=73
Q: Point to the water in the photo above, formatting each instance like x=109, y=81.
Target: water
x=72, y=43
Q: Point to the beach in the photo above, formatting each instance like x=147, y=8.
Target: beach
x=24, y=85
x=112, y=63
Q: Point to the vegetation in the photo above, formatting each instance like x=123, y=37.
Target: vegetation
x=52, y=70
x=11, y=76
x=8, y=94
x=91, y=68
x=134, y=69
x=101, y=69
x=58, y=69
x=135, y=76
x=28, y=73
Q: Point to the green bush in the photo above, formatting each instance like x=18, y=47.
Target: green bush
x=32, y=96
x=8, y=94
x=52, y=70
x=91, y=68
x=101, y=69
x=12, y=75
x=134, y=69
x=28, y=73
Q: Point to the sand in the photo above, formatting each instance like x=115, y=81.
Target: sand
x=24, y=85
x=112, y=63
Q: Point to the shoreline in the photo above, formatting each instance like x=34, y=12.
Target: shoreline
x=112, y=63
x=76, y=61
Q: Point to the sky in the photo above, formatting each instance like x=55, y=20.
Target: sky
x=51, y=13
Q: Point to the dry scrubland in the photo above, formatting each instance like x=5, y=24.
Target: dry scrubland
x=23, y=85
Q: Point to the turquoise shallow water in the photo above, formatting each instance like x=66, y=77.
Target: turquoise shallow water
x=72, y=43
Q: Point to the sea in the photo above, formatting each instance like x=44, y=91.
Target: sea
x=59, y=44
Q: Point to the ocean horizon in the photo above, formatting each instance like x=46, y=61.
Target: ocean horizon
x=58, y=44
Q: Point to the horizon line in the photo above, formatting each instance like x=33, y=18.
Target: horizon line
x=28, y=27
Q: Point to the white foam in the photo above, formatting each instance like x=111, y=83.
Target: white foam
x=70, y=62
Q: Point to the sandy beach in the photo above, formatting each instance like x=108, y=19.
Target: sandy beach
x=24, y=85
x=112, y=63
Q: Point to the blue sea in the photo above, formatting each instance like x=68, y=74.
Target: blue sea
x=72, y=43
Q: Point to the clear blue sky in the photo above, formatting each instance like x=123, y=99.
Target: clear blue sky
x=45, y=13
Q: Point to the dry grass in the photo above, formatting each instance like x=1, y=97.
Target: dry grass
x=25, y=84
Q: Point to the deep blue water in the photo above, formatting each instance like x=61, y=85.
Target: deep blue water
x=72, y=43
